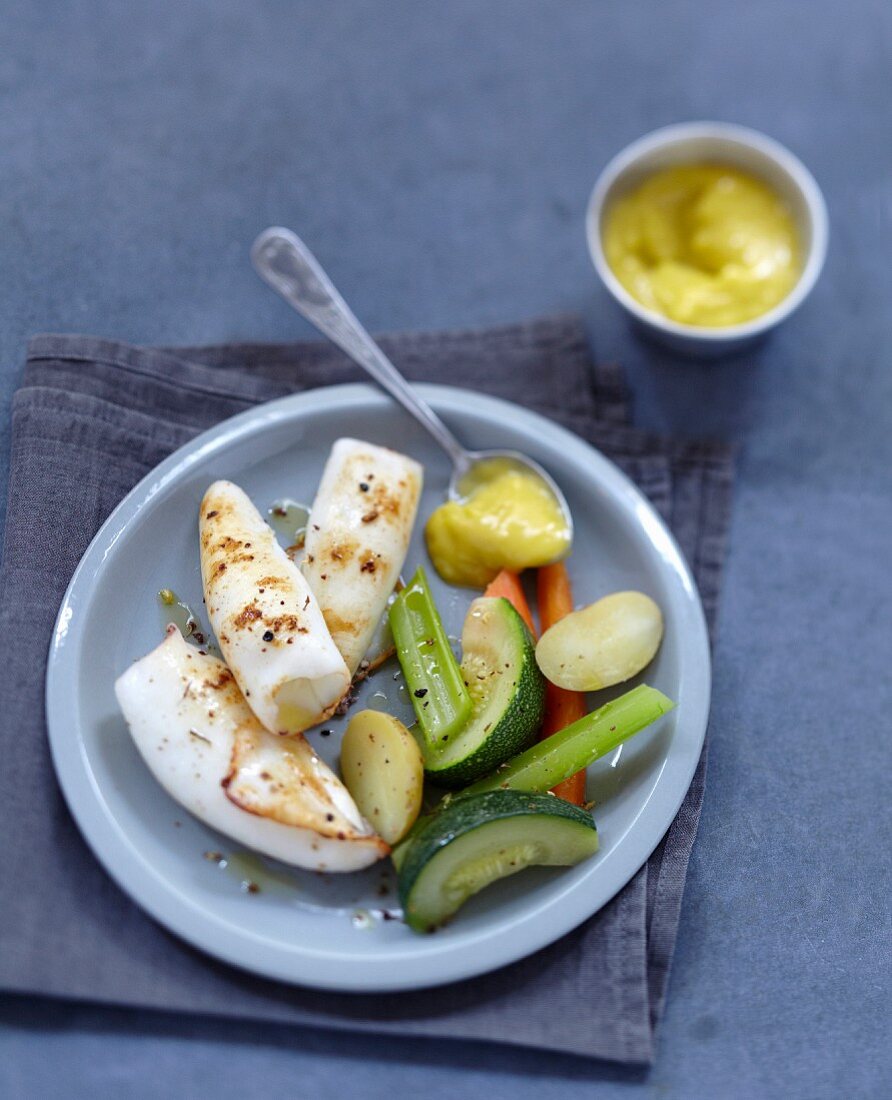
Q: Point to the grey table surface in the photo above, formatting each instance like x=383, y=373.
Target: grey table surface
x=438, y=158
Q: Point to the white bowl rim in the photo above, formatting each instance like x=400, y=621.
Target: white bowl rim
x=675, y=134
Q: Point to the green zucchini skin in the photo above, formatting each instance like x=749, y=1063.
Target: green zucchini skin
x=507, y=690
x=475, y=841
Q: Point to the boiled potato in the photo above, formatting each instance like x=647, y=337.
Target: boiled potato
x=603, y=644
x=382, y=768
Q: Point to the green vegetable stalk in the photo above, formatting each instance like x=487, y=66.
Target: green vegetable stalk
x=439, y=695
x=566, y=752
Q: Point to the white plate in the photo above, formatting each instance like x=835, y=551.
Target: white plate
x=303, y=927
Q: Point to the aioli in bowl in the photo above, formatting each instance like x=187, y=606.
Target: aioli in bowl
x=703, y=244
x=738, y=147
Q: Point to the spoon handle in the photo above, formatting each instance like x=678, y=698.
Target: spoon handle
x=284, y=261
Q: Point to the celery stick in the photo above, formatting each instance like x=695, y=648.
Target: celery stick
x=436, y=687
x=569, y=750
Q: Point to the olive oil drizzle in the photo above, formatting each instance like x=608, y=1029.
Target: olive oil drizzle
x=289, y=519
x=174, y=610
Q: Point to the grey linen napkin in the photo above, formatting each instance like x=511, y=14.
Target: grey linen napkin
x=91, y=418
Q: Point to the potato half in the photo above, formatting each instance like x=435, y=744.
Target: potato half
x=604, y=644
x=382, y=768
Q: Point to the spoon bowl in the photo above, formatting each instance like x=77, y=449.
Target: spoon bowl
x=463, y=481
x=283, y=261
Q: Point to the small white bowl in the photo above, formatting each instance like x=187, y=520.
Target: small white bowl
x=722, y=143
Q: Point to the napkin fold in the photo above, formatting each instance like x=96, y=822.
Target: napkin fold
x=90, y=419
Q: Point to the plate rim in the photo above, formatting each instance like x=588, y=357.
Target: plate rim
x=508, y=940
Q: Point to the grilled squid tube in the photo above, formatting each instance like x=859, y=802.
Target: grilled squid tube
x=205, y=746
x=357, y=538
x=265, y=616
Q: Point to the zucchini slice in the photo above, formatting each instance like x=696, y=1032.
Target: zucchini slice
x=475, y=841
x=507, y=695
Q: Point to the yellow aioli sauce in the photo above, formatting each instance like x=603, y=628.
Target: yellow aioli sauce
x=703, y=244
x=508, y=519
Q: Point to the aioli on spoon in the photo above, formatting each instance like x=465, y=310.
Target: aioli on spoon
x=283, y=261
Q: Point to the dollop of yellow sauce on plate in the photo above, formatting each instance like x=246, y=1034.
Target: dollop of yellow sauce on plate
x=508, y=518
x=703, y=244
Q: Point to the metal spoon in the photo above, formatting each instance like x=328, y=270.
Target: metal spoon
x=284, y=261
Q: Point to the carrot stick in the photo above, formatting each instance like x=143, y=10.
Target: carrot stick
x=554, y=594
x=508, y=584
x=562, y=707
